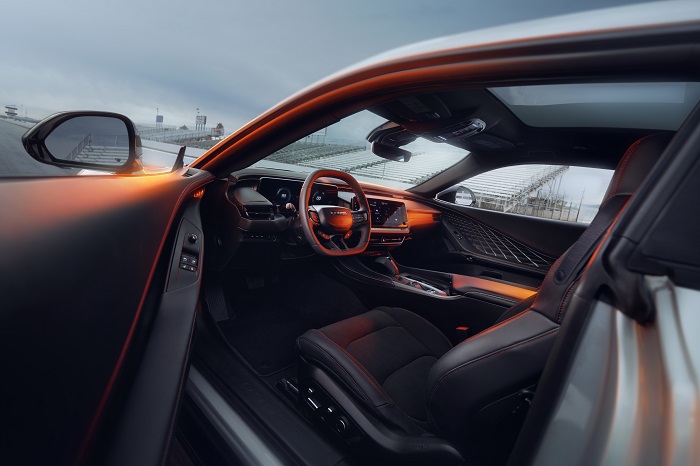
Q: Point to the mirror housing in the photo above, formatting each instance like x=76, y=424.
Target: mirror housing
x=101, y=141
x=460, y=195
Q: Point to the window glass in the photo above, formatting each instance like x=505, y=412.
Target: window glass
x=602, y=105
x=559, y=192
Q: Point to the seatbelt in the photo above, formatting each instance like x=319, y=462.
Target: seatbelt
x=583, y=247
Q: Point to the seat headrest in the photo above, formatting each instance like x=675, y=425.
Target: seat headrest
x=637, y=162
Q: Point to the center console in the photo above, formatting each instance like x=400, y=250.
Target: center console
x=449, y=284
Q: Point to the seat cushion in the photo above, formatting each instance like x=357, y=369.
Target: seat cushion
x=383, y=356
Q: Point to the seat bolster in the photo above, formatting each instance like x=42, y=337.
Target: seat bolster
x=493, y=364
x=322, y=350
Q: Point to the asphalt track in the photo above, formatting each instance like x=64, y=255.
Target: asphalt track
x=14, y=161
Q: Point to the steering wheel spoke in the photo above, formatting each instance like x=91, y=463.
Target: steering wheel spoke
x=313, y=216
x=359, y=218
x=332, y=242
x=335, y=246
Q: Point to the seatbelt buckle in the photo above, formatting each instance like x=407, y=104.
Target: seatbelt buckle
x=461, y=333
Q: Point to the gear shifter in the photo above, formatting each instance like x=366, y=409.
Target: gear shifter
x=389, y=265
x=392, y=269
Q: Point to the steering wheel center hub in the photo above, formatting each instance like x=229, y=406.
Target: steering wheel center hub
x=334, y=219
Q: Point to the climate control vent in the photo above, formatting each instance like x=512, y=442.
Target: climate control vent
x=258, y=212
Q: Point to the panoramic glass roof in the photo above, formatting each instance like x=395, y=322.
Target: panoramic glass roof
x=662, y=106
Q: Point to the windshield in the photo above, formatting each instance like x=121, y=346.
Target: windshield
x=343, y=146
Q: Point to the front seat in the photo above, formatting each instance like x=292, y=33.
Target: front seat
x=390, y=377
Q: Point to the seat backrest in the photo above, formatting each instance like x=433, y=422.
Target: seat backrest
x=482, y=379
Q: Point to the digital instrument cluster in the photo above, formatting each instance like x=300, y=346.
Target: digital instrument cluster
x=280, y=191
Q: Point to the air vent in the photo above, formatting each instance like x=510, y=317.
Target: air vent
x=494, y=243
x=261, y=212
x=189, y=172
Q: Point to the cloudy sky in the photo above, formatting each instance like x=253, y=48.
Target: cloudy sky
x=231, y=59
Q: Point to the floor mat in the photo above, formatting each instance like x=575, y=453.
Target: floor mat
x=269, y=320
x=265, y=338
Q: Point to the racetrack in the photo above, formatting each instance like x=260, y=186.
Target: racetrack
x=14, y=160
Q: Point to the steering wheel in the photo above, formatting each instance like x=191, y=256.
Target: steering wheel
x=326, y=227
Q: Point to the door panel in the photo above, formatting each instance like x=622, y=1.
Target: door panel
x=81, y=287
x=551, y=237
x=489, y=244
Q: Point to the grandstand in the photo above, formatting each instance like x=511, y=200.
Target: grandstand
x=172, y=134
x=103, y=155
x=359, y=161
x=304, y=153
x=508, y=187
x=533, y=190
x=94, y=150
x=524, y=189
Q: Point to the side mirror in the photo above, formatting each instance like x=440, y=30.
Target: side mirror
x=390, y=153
x=88, y=140
x=459, y=195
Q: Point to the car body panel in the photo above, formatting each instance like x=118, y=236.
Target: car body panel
x=632, y=396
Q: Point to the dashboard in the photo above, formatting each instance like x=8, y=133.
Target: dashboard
x=268, y=205
x=386, y=214
x=259, y=215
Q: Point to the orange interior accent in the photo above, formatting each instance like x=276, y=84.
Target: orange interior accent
x=464, y=283
x=420, y=219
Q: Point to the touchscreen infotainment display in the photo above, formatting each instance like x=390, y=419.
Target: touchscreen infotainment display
x=388, y=214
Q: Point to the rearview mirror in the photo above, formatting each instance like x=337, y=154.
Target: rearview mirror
x=94, y=140
x=386, y=139
x=390, y=153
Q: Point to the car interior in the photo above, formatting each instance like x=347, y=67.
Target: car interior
x=396, y=323
x=350, y=278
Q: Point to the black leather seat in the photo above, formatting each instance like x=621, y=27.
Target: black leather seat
x=402, y=371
